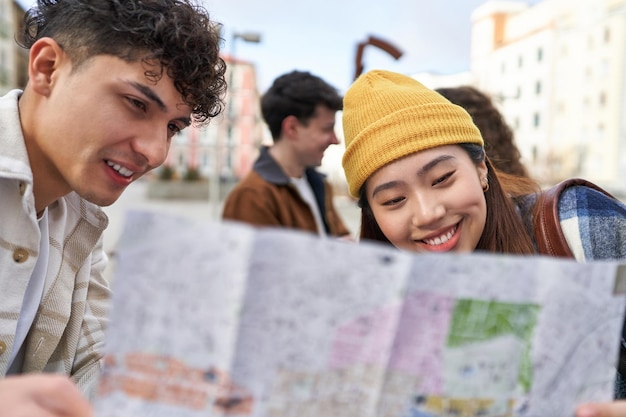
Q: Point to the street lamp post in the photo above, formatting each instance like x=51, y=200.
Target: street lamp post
x=214, y=189
x=386, y=46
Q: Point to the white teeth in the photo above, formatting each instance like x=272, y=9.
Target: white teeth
x=123, y=171
x=441, y=239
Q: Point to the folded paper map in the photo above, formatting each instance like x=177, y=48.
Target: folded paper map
x=223, y=319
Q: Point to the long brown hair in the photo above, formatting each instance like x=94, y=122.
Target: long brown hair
x=500, y=144
x=505, y=229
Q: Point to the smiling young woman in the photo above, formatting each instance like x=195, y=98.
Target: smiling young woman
x=417, y=164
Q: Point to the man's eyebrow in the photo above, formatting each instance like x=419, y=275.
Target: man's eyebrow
x=152, y=96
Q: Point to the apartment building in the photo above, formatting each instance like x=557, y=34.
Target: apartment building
x=228, y=146
x=557, y=70
x=13, y=59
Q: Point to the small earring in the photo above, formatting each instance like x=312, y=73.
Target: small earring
x=485, y=184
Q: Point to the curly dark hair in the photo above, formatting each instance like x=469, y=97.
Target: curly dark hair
x=177, y=35
x=499, y=141
x=297, y=93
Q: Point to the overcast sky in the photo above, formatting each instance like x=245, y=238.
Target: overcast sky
x=321, y=36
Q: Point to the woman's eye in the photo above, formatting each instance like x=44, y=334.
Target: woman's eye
x=393, y=201
x=443, y=178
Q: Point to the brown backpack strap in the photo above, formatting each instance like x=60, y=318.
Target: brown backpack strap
x=548, y=233
x=550, y=240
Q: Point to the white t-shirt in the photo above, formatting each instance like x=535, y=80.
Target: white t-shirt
x=32, y=298
x=306, y=192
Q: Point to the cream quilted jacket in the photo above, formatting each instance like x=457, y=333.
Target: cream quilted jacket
x=67, y=335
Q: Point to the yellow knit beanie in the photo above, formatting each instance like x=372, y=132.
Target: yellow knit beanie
x=387, y=116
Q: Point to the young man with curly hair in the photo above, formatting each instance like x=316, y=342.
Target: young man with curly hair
x=110, y=83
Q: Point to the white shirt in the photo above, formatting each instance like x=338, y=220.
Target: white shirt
x=32, y=297
x=306, y=192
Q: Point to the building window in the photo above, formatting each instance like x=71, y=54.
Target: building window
x=539, y=54
x=503, y=68
x=520, y=61
x=600, y=132
x=536, y=119
x=4, y=70
x=604, y=68
x=602, y=99
x=538, y=87
x=607, y=35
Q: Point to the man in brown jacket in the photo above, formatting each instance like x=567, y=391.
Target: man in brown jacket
x=283, y=188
